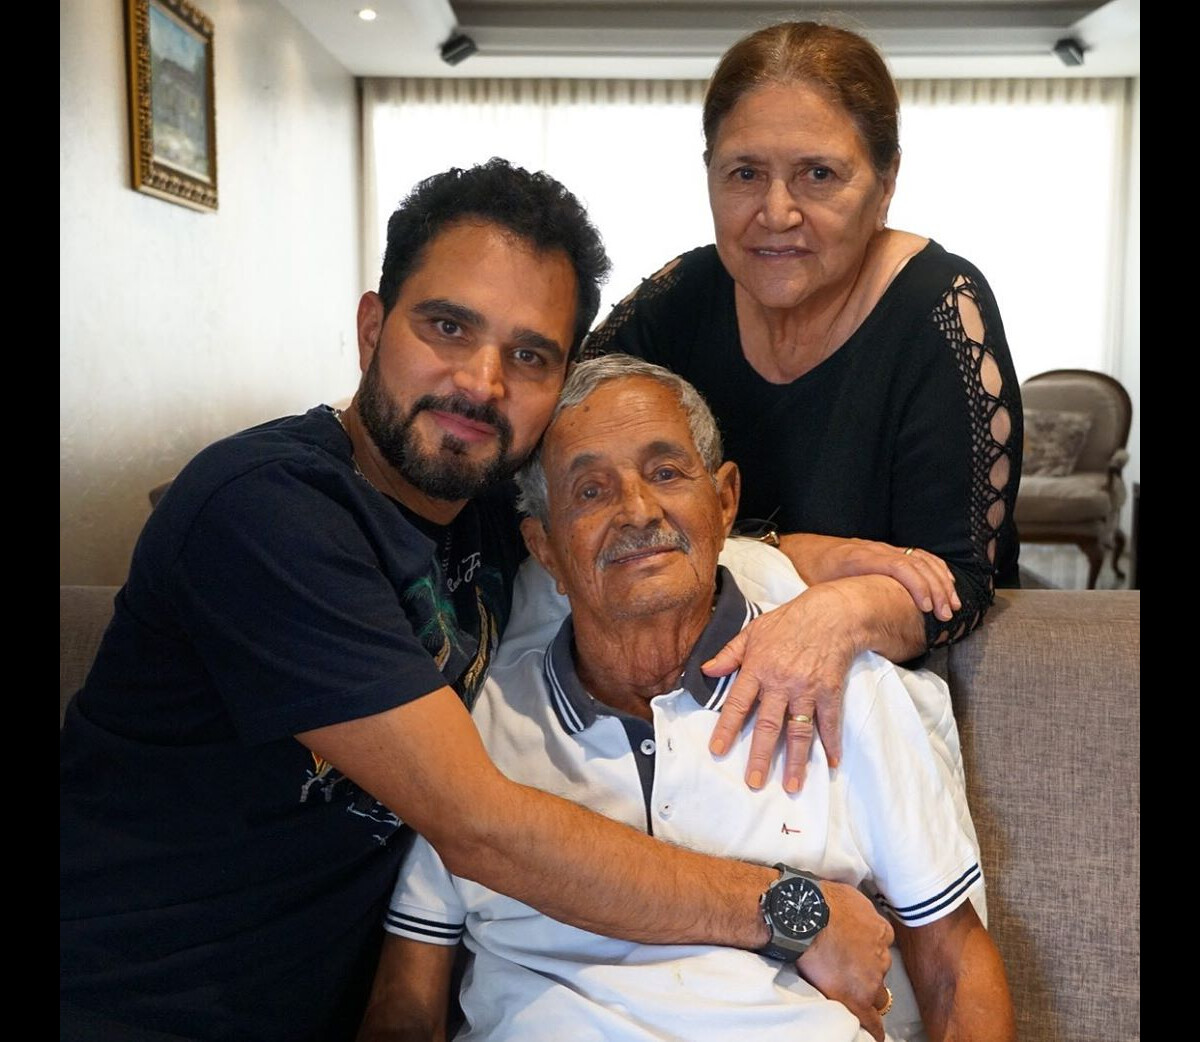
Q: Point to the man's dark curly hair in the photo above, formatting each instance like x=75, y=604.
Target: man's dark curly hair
x=533, y=206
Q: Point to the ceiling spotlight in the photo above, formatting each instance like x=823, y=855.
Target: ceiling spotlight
x=1070, y=51
x=367, y=14
x=458, y=48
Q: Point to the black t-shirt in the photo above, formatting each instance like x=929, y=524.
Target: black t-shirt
x=217, y=879
x=889, y=438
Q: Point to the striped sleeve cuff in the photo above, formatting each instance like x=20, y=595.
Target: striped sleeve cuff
x=933, y=908
x=429, y=931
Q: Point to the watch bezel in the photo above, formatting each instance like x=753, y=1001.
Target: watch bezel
x=803, y=895
x=787, y=943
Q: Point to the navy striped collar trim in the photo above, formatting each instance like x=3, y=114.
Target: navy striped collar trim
x=577, y=710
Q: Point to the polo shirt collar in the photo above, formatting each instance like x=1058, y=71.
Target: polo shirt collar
x=577, y=710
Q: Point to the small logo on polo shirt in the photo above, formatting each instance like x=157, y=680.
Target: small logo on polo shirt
x=787, y=830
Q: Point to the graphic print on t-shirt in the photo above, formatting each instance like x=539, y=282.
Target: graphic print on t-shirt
x=328, y=781
x=456, y=609
x=461, y=629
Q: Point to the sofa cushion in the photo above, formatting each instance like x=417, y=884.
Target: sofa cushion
x=1079, y=497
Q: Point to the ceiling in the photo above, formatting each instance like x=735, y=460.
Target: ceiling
x=682, y=39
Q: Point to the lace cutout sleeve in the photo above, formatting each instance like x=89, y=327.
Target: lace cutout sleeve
x=622, y=330
x=968, y=319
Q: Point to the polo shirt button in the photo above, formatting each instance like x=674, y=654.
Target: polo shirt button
x=648, y=746
x=665, y=811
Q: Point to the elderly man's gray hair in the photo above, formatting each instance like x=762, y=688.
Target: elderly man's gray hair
x=585, y=378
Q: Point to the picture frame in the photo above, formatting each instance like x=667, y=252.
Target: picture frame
x=172, y=111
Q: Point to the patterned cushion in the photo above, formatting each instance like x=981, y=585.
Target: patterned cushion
x=1053, y=441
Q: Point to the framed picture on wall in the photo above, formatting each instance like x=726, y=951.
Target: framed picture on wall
x=172, y=117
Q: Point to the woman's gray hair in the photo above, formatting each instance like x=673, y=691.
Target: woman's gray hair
x=586, y=377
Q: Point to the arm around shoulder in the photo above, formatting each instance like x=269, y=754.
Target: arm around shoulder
x=425, y=761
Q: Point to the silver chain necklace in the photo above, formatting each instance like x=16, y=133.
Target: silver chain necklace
x=353, y=457
x=444, y=549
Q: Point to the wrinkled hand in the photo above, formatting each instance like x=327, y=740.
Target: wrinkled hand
x=850, y=957
x=927, y=578
x=793, y=660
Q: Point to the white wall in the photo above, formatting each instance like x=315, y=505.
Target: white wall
x=177, y=327
x=1129, y=358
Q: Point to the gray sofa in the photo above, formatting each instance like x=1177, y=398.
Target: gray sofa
x=1047, y=696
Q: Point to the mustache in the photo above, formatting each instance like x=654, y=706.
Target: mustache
x=656, y=538
x=459, y=406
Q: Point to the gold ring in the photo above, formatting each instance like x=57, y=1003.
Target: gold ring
x=799, y=718
x=909, y=551
x=883, y=1011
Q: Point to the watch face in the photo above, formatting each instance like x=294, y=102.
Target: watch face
x=797, y=908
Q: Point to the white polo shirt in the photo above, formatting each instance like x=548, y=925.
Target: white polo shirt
x=886, y=819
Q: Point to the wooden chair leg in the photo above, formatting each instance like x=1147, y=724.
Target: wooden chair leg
x=1095, y=556
x=1118, y=549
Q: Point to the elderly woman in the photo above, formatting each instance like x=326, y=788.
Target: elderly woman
x=859, y=373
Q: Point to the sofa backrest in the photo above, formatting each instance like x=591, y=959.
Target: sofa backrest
x=83, y=615
x=1047, y=695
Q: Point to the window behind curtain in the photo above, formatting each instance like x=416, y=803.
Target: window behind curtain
x=630, y=150
x=1026, y=178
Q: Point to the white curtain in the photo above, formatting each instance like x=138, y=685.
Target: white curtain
x=1025, y=178
x=631, y=150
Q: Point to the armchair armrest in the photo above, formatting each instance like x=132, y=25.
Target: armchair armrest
x=1116, y=486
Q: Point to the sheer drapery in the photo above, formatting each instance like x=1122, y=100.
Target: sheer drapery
x=631, y=150
x=1026, y=178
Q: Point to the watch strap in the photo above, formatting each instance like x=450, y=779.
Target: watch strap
x=772, y=951
x=787, y=870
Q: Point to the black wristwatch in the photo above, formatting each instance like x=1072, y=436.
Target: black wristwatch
x=795, y=912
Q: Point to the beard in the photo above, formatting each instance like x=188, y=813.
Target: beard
x=446, y=472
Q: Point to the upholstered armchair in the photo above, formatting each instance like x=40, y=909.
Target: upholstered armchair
x=156, y=493
x=1076, y=428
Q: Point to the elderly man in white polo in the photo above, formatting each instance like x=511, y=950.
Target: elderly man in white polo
x=629, y=508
